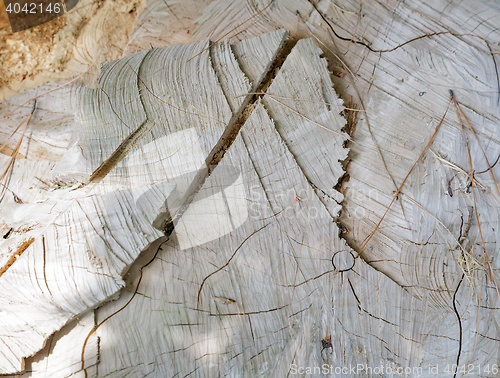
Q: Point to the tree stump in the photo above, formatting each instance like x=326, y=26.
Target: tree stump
x=315, y=195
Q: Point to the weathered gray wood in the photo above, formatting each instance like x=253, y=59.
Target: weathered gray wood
x=79, y=247
x=260, y=292
x=405, y=93
x=49, y=129
x=317, y=150
x=395, y=307
x=163, y=23
x=286, y=264
x=85, y=239
x=221, y=17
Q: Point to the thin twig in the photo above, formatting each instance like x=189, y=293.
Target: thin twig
x=302, y=99
x=13, y=133
x=489, y=168
x=459, y=324
x=456, y=168
x=44, y=93
x=57, y=186
x=352, y=79
x=496, y=70
x=357, y=22
x=330, y=50
x=486, y=260
x=459, y=244
x=310, y=120
x=406, y=177
x=478, y=142
x=10, y=166
x=394, y=48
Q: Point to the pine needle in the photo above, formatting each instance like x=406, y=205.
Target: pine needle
x=302, y=99
x=456, y=168
x=479, y=143
x=486, y=260
x=316, y=123
x=402, y=184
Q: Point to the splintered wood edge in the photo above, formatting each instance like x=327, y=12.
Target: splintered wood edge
x=20, y=249
x=231, y=131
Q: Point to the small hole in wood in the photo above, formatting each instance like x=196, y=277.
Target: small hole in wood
x=343, y=261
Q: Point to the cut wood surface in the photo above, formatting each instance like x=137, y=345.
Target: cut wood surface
x=69, y=45
x=92, y=32
x=324, y=237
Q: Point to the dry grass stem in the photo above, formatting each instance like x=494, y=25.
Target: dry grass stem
x=302, y=99
x=479, y=143
x=402, y=184
x=456, y=168
x=7, y=172
x=357, y=25
x=468, y=262
x=310, y=120
x=486, y=260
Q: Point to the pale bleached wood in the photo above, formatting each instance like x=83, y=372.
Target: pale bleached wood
x=406, y=99
x=278, y=318
x=252, y=55
x=85, y=239
x=425, y=331
x=412, y=356
x=101, y=130
x=318, y=151
x=26, y=179
x=163, y=23
x=220, y=18
x=405, y=94
x=62, y=356
x=81, y=246
x=49, y=129
x=260, y=280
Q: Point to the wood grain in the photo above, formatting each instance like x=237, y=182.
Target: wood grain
x=262, y=234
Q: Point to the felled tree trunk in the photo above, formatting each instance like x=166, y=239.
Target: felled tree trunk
x=231, y=208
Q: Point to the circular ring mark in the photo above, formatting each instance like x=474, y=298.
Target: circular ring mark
x=343, y=270
x=422, y=93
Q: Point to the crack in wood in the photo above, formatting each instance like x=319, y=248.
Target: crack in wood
x=230, y=133
x=128, y=143
x=226, y=264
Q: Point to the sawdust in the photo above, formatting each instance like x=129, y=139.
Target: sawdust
x=66, y=46
x=26, y=53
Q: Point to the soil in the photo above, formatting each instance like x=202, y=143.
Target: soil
x=25, y=54
x=46, y=52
